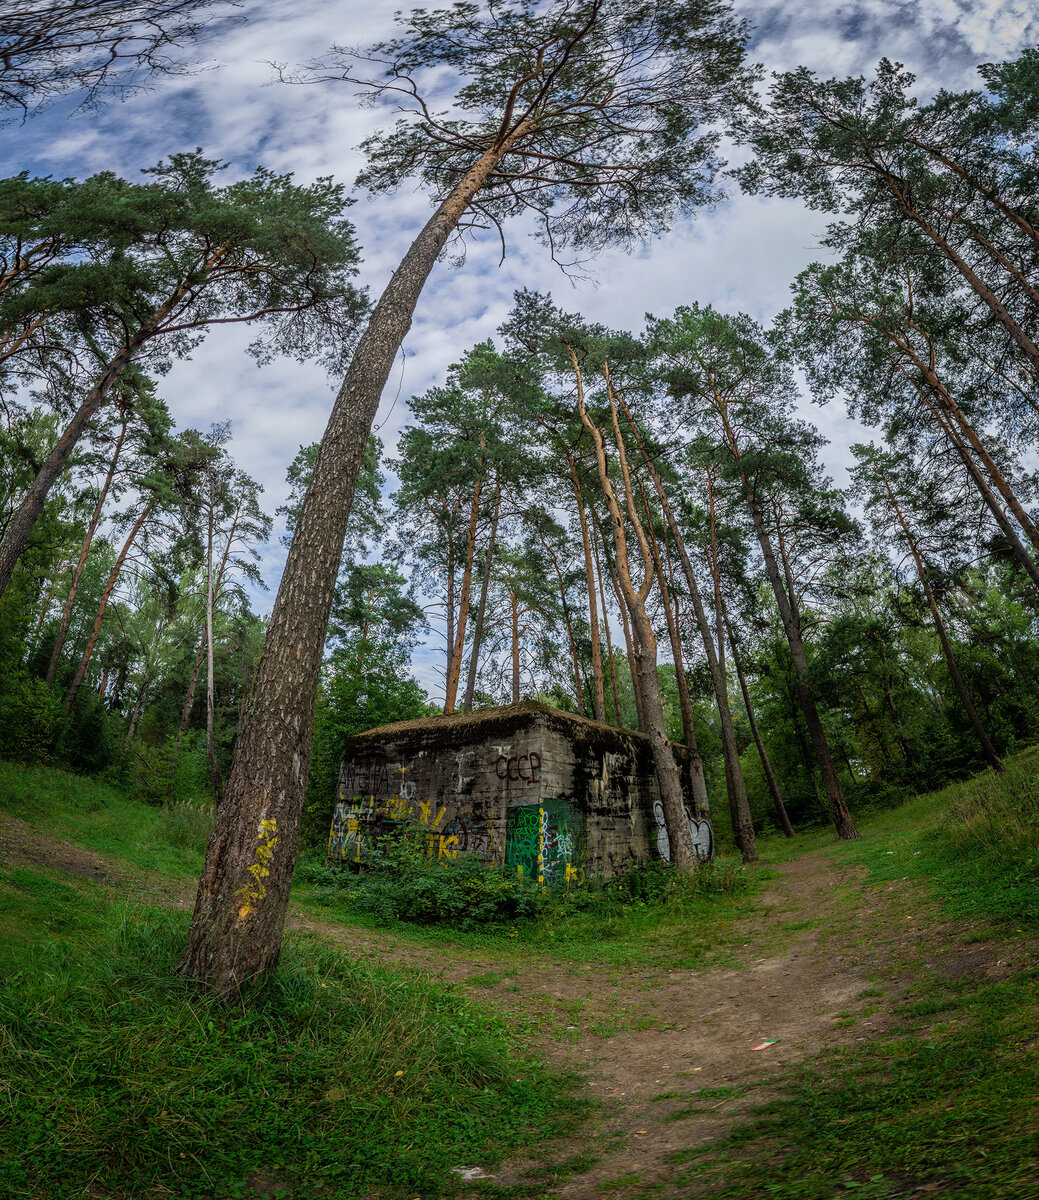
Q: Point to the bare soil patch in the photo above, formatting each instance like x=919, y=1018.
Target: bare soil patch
x=21, y=843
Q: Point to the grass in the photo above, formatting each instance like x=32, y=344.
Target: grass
x=101, y=817
x=333, y=1079
x=339, y=1079
x=947, y=1108
x=975, y=844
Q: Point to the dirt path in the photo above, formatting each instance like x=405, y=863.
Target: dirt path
x=823, y=959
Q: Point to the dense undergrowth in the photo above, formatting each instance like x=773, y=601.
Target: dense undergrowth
x=648, y=913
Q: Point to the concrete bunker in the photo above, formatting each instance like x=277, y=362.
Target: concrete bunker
x=543, y=792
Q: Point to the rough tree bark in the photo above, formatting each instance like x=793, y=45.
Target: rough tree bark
x=243, y=890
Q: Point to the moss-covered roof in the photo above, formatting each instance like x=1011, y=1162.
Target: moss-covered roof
x=483, y=722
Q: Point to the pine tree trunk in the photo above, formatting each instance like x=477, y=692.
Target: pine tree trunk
x=515, y=649
x=697, y=780
x=214, y=765
x=630, y=646
x=189, y=700
x=980, y=186
x=243, y=891
x=106, y=595
x=455, y=671
x=842, y=819
x=998, y=309
x=95, y=518
x=978, y=446
x=608, y=636
x=598, y=689
x=578, y=686
x=736, y=788
x=766, y=763
x=24, y=520
x=22, y=523
x=683, y=854
x=449, y=618
x=481, y=612
x=981, y=483
x=135, y=716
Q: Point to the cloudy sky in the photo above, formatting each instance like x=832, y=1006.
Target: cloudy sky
x=739, y=257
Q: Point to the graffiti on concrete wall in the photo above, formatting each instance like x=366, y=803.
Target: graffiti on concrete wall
x=359, y=823
x=359, y=820
x=518, y=768
x=543, y=842
x=700, y=831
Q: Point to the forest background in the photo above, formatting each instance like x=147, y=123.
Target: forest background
x=895, y=725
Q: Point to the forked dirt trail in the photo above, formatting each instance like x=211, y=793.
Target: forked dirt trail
x=822, y=960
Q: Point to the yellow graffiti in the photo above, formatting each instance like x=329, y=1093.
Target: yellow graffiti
x=394, y=807
x=541, y=847
x=252, y=894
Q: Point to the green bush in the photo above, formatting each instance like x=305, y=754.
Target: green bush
x=29, y=716
x=401, y=882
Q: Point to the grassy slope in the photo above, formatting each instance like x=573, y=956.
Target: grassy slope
x=335, y=1078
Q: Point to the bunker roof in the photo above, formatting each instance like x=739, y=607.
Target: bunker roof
x=486, y=723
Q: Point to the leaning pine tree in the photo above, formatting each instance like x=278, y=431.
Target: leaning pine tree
x=595, y=118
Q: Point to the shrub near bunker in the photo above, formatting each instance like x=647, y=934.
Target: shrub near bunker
x=401, y=881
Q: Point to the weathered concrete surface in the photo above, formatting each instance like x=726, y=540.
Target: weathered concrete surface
x=551, y=794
